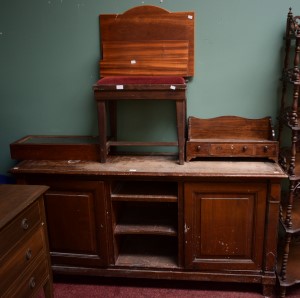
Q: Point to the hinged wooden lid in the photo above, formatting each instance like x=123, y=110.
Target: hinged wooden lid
x=147, y=40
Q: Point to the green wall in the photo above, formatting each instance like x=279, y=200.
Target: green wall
x=49, y=53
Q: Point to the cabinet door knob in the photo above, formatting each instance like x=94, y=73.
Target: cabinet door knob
x=28, y=254
x=32, y=283
x=266, y=148
x=25, y=224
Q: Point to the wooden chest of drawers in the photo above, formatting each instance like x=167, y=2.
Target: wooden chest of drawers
x=24, y=253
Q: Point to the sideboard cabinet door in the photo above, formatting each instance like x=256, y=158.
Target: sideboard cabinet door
x=224, y=225
x=75, y=211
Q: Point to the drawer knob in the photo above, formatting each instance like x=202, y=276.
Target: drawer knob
x=198, y=148
x=25, y=224
x=245, y=148
x=32, y=283
x=28, y=254
x=266, y=148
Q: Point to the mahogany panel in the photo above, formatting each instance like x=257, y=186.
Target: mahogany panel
x=224, y=225
x=123, y=58
x=230, y=127
x=76, y=226
x=76, y=215
x=149, y=25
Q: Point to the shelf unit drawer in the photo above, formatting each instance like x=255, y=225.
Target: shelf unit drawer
x=236, y=149
x=231, y=149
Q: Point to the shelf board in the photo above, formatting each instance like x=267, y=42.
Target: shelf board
x=146, y=218
x=146, y=261
x=293, y=265
x=158, y=229
x=143, y=198
x=147, y=252
x=145, y=191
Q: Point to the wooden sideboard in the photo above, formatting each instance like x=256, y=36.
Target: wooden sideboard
x=24, y=253
x=148, y=217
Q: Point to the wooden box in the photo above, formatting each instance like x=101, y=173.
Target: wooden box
x=231, y=136
x=56, y=148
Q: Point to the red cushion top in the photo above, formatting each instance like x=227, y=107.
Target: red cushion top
x=123, y=80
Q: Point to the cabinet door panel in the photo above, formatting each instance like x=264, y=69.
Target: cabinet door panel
x=72, y=222
x=76, y=216
x=217, y=220
x=224, y=225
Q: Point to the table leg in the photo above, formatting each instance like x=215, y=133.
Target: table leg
x=180, y=113
x=102, y=130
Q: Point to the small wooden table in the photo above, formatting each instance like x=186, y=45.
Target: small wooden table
x=24, y=252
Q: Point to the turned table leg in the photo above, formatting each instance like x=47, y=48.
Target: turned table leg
x=180, y=113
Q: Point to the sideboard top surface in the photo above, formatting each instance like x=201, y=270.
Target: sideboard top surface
x=158, y=166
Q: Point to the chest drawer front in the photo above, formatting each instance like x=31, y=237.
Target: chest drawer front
x=30, y=281
x=20, y=258
x=19, y=228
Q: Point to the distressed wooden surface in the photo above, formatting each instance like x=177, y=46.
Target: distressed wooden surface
x=154, y=166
